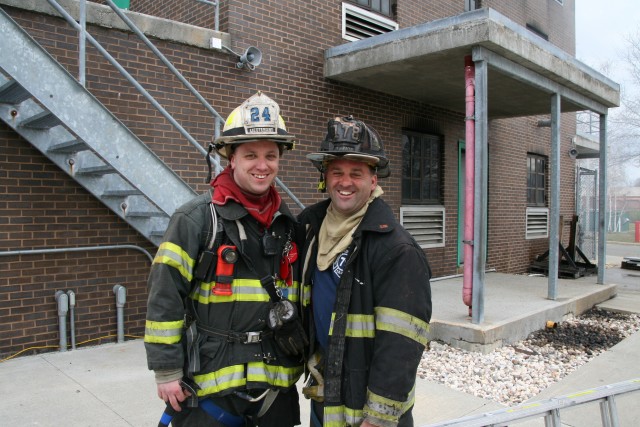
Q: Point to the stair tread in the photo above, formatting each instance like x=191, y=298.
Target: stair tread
x=120, y=193
x=13, y=93
x=96, y=170
x=43, y=120
x=72, y=146
x=145, y=213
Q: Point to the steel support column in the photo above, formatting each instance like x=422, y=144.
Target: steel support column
x=554, y=200
x=602, y=200
x=480, y=192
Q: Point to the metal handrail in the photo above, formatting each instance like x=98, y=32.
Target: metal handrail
x=126, y=74
x=76, y=249
x=216, y=5
x=550, y=408
x=146, y=94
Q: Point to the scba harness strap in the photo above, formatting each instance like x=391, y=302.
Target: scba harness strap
x=197, y=332
x=214, y=411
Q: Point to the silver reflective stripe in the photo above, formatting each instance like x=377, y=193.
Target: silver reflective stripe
x=174, y=256
x=392, y=320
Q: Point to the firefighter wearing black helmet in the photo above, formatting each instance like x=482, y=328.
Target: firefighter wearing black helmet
x=223, y=332
x=366, y=288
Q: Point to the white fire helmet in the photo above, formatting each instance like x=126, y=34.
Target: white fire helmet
x=256, y=119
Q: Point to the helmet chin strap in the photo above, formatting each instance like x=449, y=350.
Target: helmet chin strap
x=208, y=157
x=322, y=184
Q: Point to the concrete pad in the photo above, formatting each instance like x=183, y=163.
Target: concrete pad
x=619, y=363
x=107, y=385
x=514, y=307
x=622, y=303
x=437, y=403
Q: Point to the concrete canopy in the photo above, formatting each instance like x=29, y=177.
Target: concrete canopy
x=425, y=63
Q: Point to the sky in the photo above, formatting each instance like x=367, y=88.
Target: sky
x=602, y=27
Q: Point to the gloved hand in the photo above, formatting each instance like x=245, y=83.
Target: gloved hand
x=291, y=338
x=287, y=328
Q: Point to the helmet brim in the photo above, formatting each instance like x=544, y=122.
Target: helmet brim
x=224, y=144
x=320, y=160
x=325, y=157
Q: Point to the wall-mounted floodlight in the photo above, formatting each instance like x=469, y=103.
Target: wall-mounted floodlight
x=251, y=58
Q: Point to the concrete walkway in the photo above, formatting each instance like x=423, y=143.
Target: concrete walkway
x=109, y=385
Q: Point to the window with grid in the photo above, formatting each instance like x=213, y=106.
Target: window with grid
x=383, y=7
x=536, y=180
x=421, y=169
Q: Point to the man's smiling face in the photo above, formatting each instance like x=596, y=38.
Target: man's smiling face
x=255, y=166
x=349, y=185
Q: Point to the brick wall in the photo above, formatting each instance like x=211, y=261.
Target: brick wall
x=509, y=142
x=188, y=11
x=42, y=207
x=555, y=20
x=411, y=13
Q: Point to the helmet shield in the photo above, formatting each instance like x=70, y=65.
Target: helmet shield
x=352, y=140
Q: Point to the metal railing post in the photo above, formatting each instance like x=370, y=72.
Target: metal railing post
x=82, y=43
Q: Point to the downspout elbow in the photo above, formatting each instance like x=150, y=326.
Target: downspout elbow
x=121, y=295
x=121, y=298
x=62, y=301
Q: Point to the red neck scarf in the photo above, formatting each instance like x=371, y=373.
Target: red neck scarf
x=262, y=208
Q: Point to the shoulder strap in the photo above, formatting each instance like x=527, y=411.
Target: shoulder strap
x=206, y=258
x=217, y=230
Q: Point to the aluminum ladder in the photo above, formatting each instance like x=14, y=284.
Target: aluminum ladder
x=550, y=408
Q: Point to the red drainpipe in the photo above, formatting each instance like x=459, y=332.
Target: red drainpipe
x=469, y=180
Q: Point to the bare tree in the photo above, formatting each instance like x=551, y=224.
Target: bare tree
x=626, y=119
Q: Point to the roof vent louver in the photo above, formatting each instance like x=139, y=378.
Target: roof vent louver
x=358, y=24
x=425, y=224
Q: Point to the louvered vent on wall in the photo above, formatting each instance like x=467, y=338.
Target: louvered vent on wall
x=358, y=24
x=426, y=224
x=537, y=223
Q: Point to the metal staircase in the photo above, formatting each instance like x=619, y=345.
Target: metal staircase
x=49, y=108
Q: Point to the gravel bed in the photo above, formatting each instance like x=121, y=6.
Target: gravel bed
x=512, y=374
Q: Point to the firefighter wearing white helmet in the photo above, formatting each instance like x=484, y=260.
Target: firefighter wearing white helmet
x=227, y=273
x=257, y=118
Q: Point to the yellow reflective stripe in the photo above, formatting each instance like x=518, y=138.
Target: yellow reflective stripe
x=306, y=295
x=174, y=256
x=333, y=317
x=339, y=416
x=353, y=416
x=293, y=291
x=245, y=290
x=202, y=292
x=234, y=376
x=391, y=320
x=279, y=376
x=358, y=325
x=249, y=290
x=223, y=379
x=361, y=326
x=241, y=290
x=387, y=409
x=163, y=332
